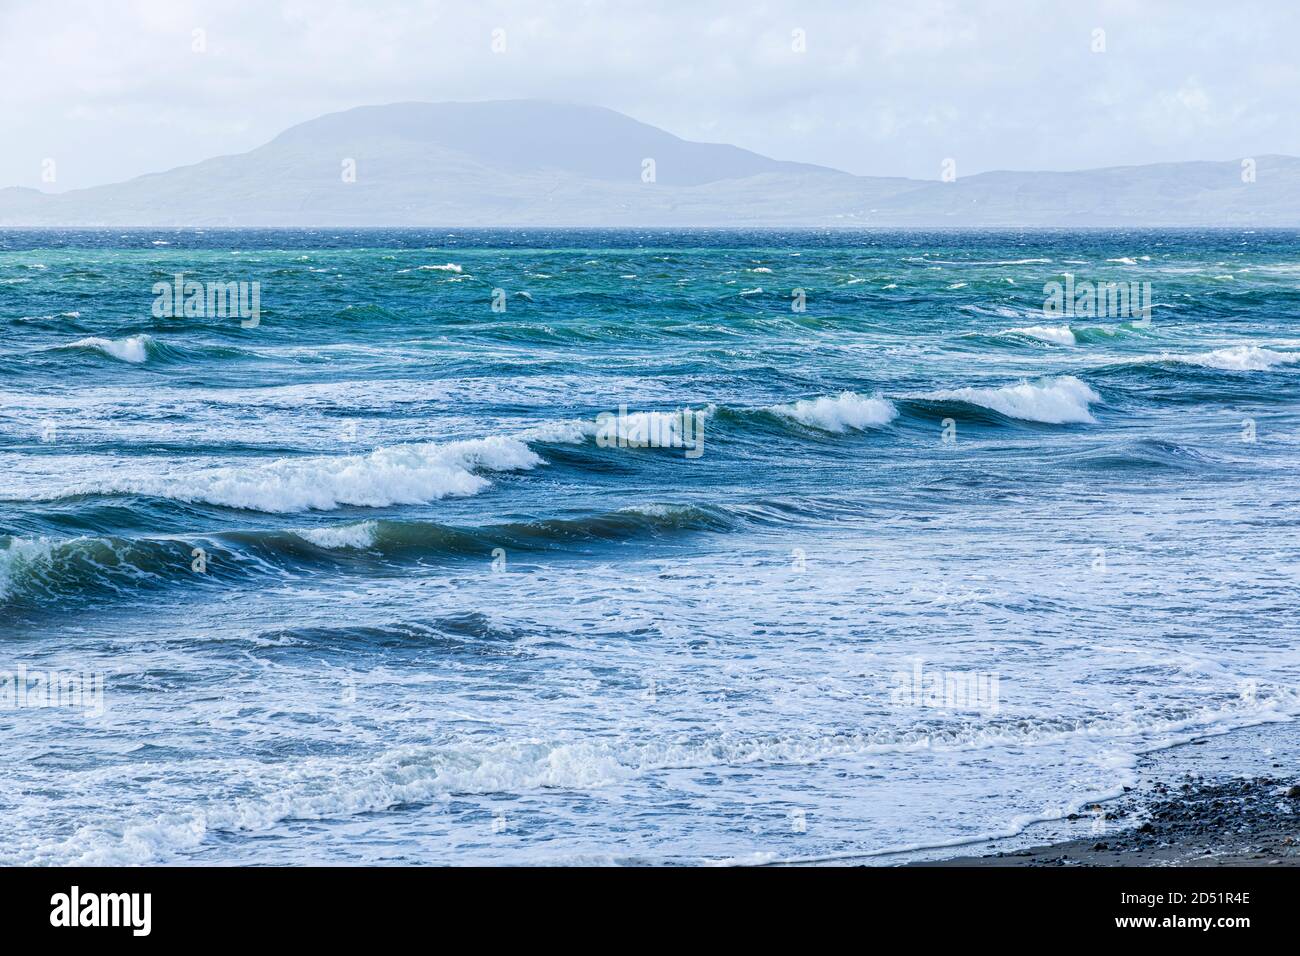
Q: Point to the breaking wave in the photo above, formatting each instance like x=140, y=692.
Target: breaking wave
x=1055, y=401
x=839, y=413
x=403, y=474
x=134, y=349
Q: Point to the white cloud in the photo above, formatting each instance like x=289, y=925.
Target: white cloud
x=112, y=88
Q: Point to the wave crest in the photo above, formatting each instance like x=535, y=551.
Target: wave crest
x=404, y=474
x=1240, y=358
x=1055, y=334
x=134, y=349
x=1055, y=401
x=839, y=413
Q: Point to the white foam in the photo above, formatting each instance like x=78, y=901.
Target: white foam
x=448, y=267
x=656, y=510
x=660, y=429
x=1056, y=401
x=839, y=413
x=1056, y=334
x=409, y=775
x=403, y=474
x=359, y=536
x=1239, y=358
x=134, y=349
x=323, y=788
x=570, y=432
x=137, y=844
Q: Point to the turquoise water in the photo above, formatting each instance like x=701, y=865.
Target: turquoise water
x=372, y=578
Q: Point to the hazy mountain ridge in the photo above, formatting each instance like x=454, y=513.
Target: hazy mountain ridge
x=529, y=163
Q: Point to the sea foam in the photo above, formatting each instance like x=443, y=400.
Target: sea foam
x=839, y=413
x=134, y=349
x=356, y=536
x=1056, y=401
x=404, y=474
x=1056, y=334
x=1240, y=358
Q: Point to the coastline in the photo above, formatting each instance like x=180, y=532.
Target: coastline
x=1228, y=800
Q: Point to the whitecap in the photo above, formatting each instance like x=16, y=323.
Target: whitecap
x=358, y=536
x=402, y=474
x=1239, y=358
x=839, y=413
x=1056, y=334
x=1056, y=401
x=134, y=349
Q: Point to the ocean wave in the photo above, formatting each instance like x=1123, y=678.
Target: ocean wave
x=1144, y=454
x=34, y=571
x=1001, y=311
x=317, y=788
x=570, y=432
x=355, y=536
x=142, y=348
x=1235, y=358
x=134, y=349
x=675, y=429
x=402, y=474
x=839, y=413
x=1055, y=401
x=1238, y=358
x=1064, y=334
x=1056, y=334
x=63, y=319
x=830, y=413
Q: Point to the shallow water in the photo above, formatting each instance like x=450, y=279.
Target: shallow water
x=939, y=565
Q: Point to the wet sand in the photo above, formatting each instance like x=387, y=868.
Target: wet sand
x=1232, y=800
x=1249, y=822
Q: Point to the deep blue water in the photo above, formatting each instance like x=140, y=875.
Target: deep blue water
x=367, y=581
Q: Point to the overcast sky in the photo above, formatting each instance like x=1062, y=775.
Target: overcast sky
x=114, y=88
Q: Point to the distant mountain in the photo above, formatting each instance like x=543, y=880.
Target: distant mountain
x=532, y=163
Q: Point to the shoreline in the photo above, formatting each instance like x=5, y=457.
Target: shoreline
x=1227, y=800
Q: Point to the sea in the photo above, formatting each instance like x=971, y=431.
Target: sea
x=629, y=547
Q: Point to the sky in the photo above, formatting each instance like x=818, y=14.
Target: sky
x=111, y=89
